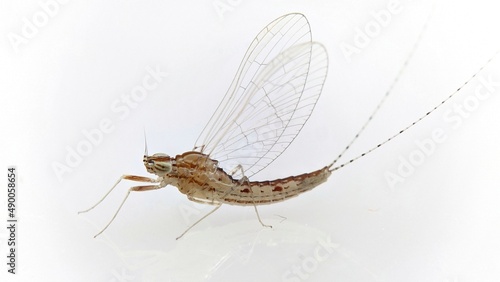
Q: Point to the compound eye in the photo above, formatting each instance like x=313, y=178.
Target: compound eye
x=160, y=155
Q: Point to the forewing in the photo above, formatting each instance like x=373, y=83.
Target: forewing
x=270, y=99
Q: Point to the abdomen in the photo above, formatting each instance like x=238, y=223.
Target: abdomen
x=267, y=192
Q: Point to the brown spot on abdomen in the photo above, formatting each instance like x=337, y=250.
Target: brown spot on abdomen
x=278, y=189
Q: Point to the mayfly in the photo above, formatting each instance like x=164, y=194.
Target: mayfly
x=268, y=102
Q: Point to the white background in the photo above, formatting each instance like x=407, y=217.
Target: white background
x=441, y=224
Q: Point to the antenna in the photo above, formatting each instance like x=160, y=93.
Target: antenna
x=145, y=144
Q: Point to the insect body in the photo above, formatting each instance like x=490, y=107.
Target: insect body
x=200, y=178
x=270, y=99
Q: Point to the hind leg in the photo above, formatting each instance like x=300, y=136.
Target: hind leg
x=244, y=181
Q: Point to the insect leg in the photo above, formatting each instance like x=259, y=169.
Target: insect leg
x=205, y=202
x=127, y=177
x=135, y=188
x=236, y=169
x=258, y=217
x=243, y=181
x=199, y=220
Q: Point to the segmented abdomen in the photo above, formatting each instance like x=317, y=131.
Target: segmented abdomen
x=267, y=192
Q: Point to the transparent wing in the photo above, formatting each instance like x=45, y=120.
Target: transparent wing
x=270, y=99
